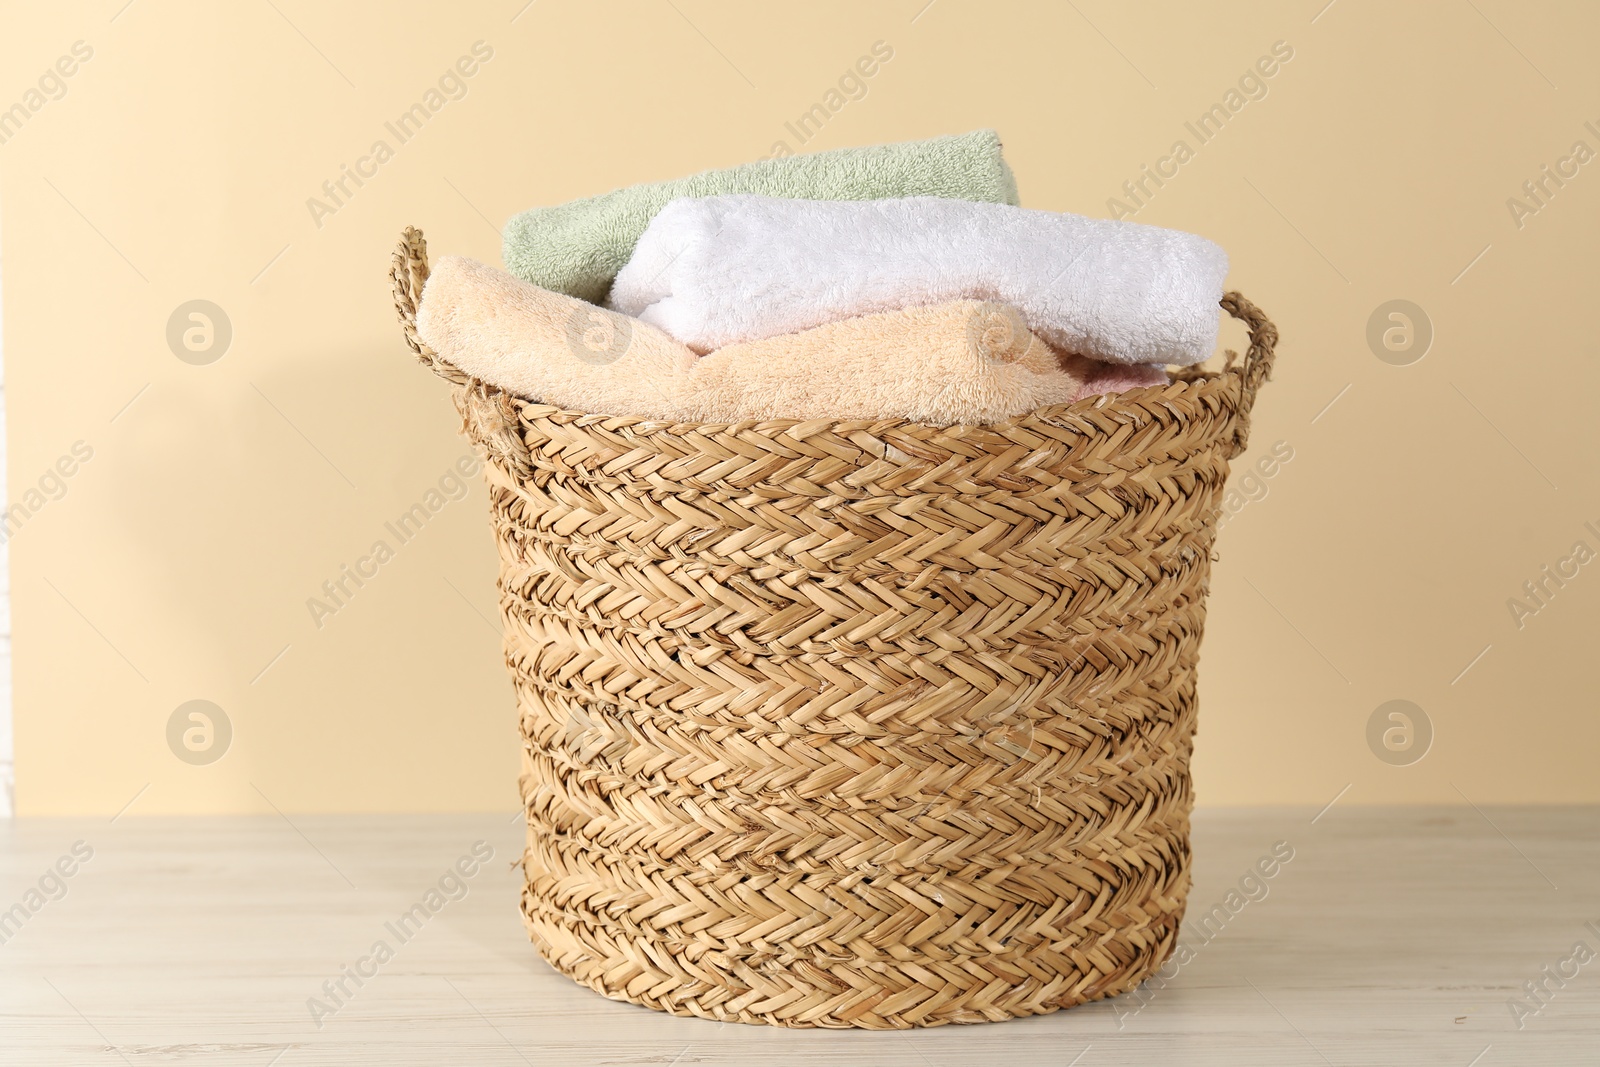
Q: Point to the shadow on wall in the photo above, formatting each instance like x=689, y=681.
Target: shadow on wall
x=313, y=537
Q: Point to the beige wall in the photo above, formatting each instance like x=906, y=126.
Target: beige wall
x=178, y=163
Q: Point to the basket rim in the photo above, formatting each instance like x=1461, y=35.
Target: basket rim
x=534, y=409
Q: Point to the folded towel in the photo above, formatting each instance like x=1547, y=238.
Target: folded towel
x=722, y=269
x=1101, y=378
x=958, y=362
x=578, y=247
x=548, y=346
x=962, y=362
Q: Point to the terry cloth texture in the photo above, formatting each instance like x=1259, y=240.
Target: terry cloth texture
x=548, y=346
x=577, y=248
x=958, y=362
x=1101, y=378
x=719, y=270
x=963, y=362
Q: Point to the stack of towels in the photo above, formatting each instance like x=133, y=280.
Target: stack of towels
x=897, y=281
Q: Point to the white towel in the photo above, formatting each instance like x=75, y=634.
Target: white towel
x=718, y=270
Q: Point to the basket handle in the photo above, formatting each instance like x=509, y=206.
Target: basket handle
x=408, y=271
x=1256, y=366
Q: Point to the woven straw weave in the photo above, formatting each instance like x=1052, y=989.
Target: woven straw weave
x=857, y=724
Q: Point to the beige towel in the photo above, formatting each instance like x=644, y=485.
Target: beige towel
x=961, y=362
x=547, y=346
x=966, y=361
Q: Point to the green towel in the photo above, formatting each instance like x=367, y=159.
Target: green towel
x=577, y=248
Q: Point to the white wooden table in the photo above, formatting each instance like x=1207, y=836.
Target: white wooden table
x=1394, y=936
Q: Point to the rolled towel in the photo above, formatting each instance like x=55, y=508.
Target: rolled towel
x=548, y=346
x=723, y=269
x=577, y=248
x=959, y=362
x=963, y=362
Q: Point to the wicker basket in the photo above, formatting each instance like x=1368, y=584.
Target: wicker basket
x=857, y=724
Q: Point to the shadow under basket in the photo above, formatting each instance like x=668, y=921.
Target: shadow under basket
x=857, y=724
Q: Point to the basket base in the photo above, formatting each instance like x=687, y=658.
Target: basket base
x=888, y=994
